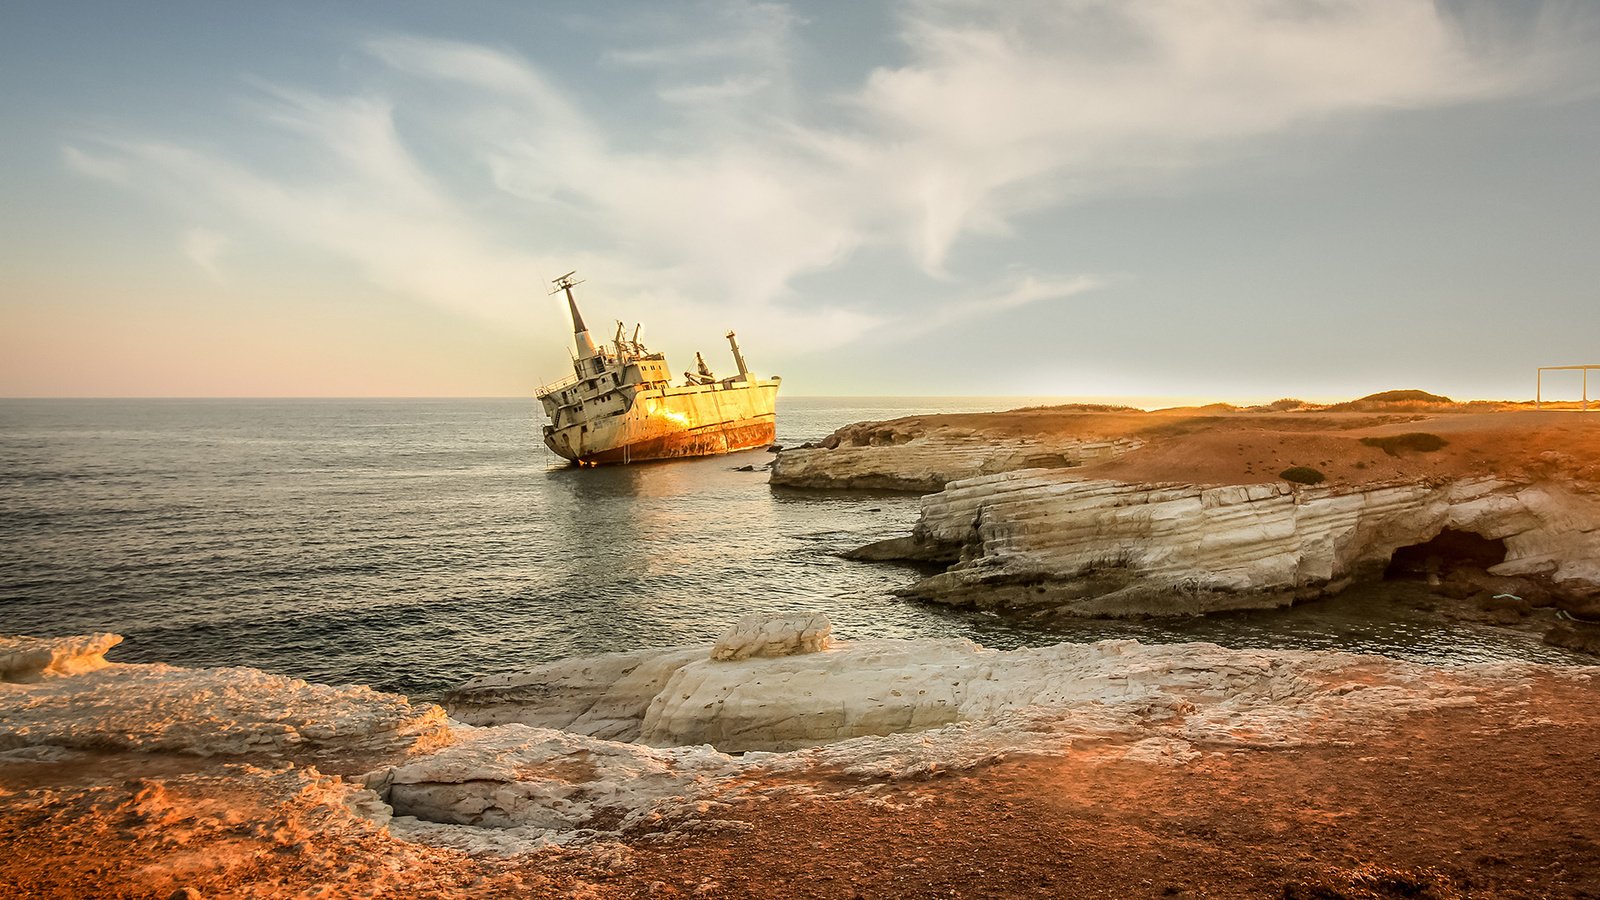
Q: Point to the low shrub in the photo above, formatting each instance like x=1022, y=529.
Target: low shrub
x=1396, y=401
x=1395, y=444
x=1302, y=475
x=1412, y=396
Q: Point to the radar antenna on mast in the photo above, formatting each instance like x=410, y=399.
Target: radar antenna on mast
x=580, y=331
x=565, y=282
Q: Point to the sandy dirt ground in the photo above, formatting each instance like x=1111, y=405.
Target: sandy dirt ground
x=1222, y=446
x=1247, y=448
x=1453, y=804
x=1494, y=800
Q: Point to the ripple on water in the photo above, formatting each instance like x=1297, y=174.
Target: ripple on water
x=411, y=545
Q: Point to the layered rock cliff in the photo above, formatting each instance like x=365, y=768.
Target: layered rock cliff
x=912, y=455
x=1052, y=542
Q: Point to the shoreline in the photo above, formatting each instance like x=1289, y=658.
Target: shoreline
x=1106, y=767
x=781, y=761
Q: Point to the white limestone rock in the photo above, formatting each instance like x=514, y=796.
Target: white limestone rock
x=208, y=712
x=905, y=709
x=603, y=696
x=26, y=659
x=873, y=688
x=550, y=786
x=906, y=457
x=1045, y=540
x=873, y=709
x=758, y=635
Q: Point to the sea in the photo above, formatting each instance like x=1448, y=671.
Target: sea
x=411, y=545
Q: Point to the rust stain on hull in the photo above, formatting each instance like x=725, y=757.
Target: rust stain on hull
x=708, y=441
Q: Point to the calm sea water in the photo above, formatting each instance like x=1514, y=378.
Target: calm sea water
x=412, y=544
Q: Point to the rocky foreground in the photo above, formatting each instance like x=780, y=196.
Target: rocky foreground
x=1081, y=511
x=781, y=762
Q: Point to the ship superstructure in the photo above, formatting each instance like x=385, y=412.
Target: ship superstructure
x=620, y=405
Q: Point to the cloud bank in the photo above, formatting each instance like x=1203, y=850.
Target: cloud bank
x=466, y=175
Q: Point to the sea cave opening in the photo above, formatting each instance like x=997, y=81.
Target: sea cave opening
x=1448, y=551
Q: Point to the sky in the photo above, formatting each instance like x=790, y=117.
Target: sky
x=1195, y=199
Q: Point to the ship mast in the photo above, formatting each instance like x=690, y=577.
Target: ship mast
x=580, y=331
x=738, y=359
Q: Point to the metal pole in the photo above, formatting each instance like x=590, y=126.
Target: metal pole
x=1538, y=391
x=1585, y=388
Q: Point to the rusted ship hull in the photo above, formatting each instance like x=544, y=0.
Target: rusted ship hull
x=708, y=441
x=674, y=422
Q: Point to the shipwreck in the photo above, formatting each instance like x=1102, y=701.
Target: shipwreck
x=620, y=406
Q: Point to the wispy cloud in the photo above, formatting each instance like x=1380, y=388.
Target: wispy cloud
x=994, y=111
x=718, y=33
x=203, y=247
x=714, y=92
x=1023, y=291
x=1004, y=108
x=93, y=165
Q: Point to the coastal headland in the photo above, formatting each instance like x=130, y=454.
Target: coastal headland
x=1100, y=511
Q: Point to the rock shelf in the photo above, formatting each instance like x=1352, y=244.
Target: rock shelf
x=923, y=454
x=1182, y=512
x=212, y=780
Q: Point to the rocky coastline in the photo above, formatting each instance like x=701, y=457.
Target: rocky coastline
x=924, y=453
x=785, y=760
x=1178, y=513
x=597, y=776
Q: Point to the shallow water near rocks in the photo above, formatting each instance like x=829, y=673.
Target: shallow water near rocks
x=413, y=544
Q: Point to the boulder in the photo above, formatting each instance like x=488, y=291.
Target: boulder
x=768, y=636
x=1583, y=637
x=1579, y=597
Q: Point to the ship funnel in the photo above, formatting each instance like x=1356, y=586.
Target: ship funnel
x=580, y=331
x=738, y=359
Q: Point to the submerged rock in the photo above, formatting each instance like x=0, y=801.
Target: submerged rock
x=1583, y=637
x=906, y=549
